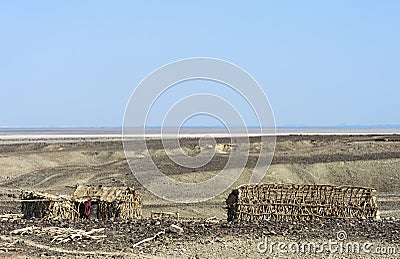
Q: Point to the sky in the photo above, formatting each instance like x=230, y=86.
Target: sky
x=321, y=63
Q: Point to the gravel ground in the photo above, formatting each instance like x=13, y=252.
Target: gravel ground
x=207, y=239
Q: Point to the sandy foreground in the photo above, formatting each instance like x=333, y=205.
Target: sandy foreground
x=56, y=164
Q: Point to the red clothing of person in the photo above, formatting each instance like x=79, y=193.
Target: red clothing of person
x=88, y=204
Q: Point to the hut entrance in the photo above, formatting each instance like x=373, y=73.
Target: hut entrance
x=88, y=209
x=94, y=209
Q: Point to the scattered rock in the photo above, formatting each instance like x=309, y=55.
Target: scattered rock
x=176, y=229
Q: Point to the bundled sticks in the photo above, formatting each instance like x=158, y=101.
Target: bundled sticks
x=272, y=201
x=163, y=215
x=11, y=217
x=62, y=235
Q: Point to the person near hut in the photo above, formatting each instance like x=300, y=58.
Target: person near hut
x=88, y=205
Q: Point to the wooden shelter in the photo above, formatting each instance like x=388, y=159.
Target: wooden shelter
x=87, y=202
x=44, y=205
x=273, y=201
x=109, y=202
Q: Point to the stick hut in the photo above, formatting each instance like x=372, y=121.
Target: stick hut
x=45, y=205
x=87, y=201
x=283, y=202
x=112, y=202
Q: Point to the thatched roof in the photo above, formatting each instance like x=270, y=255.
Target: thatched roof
x=101, y=193
x=27, y=195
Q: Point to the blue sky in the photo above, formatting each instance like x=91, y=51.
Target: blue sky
x=321, y=63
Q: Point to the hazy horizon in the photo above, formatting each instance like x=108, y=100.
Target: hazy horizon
x=388, y=126
x=94, y=132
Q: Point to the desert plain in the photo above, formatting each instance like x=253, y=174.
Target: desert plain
x=57, y=164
